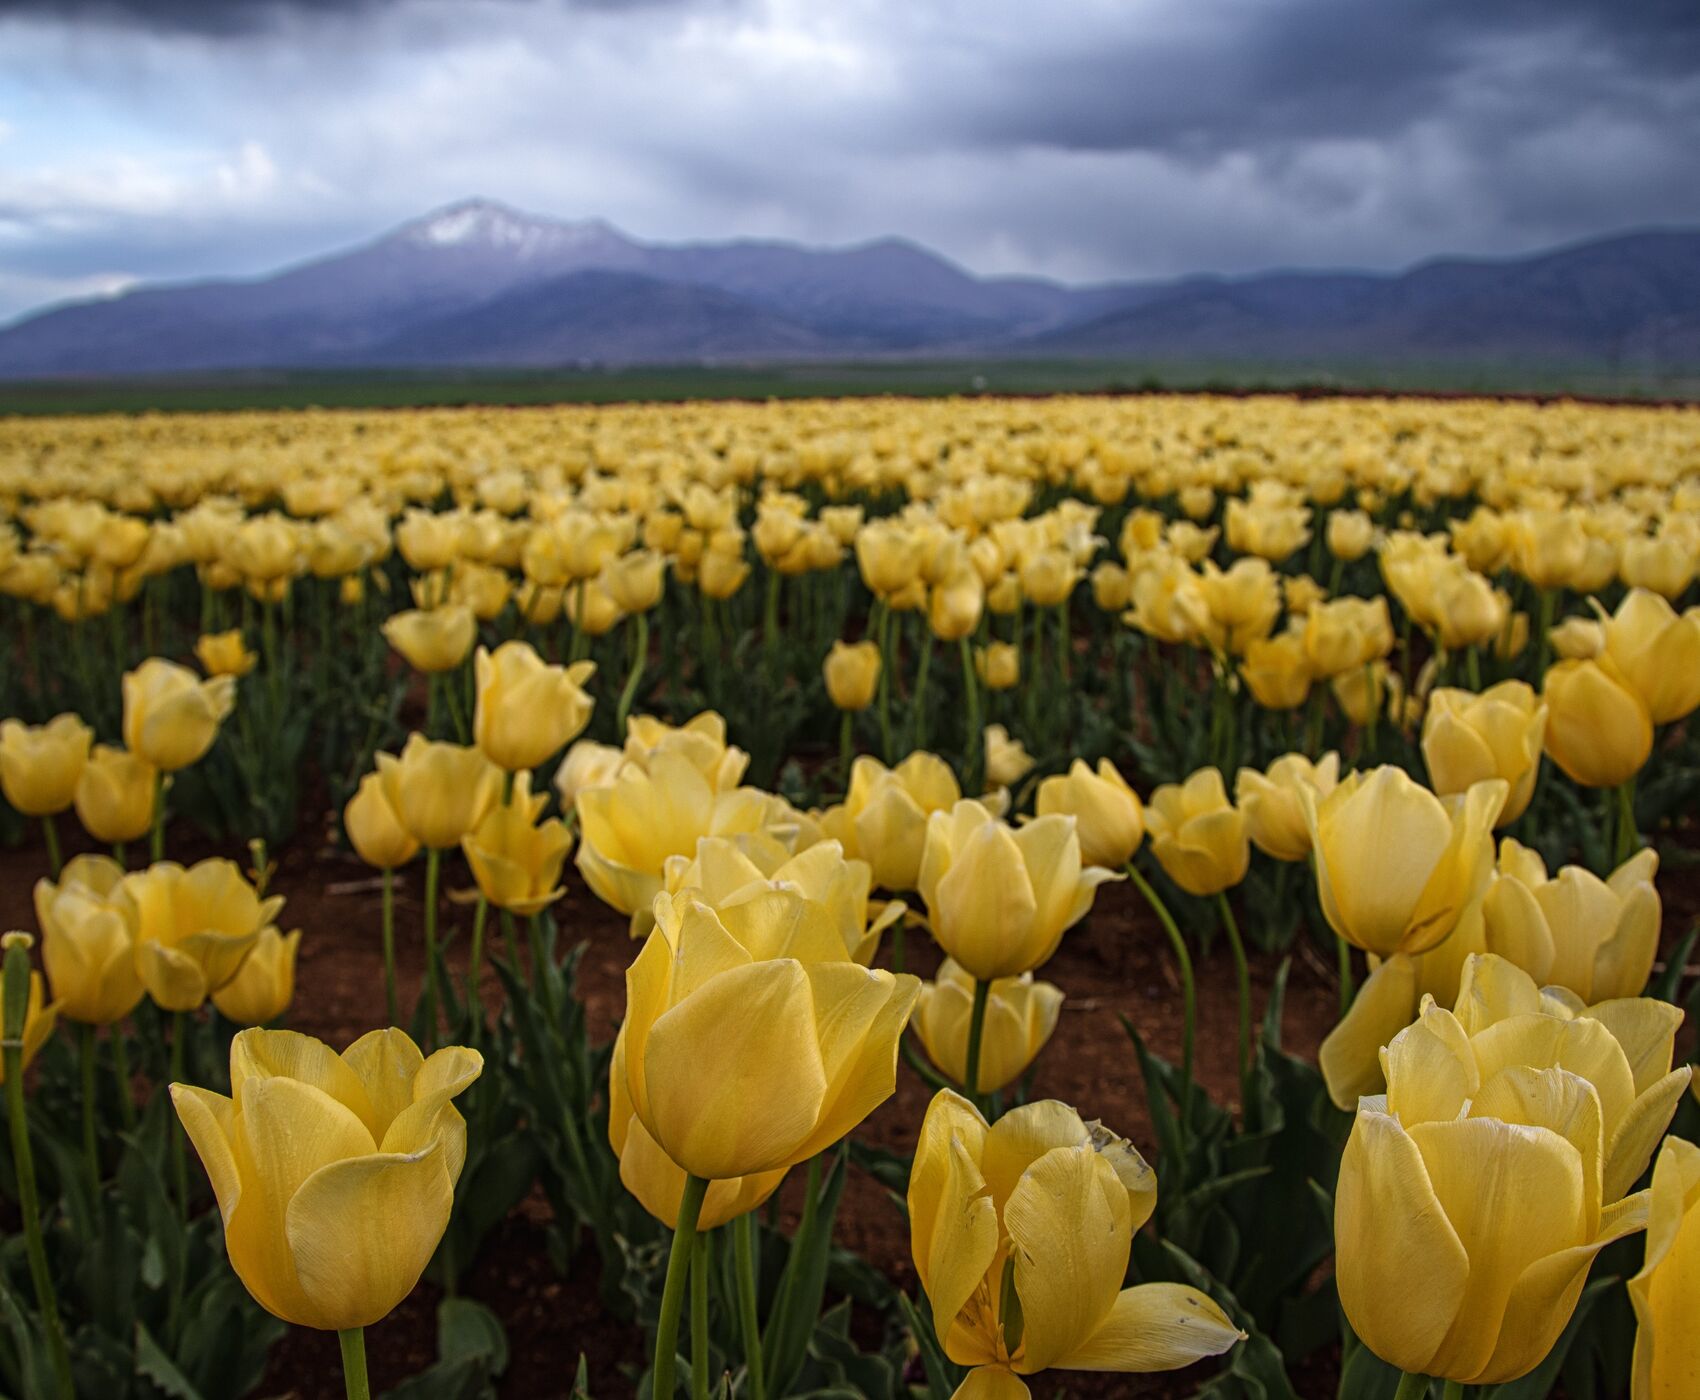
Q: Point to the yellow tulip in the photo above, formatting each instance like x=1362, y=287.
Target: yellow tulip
x=852, y=671
x=1346, y=634
x=171, y=715
x=1497, y=1167
x=1168, y=600
x=439, y=791
x=1599, y=730
x=374, y=829
x=1242, y=603
x=1351, y=533
x=39, y=1019
x=1664, y=564
x=433, y=640
x=1274, y=803
x=956, y=603
x=527, y=710
x=1000, y=898
x=883, y=818
x=1469, y=611
x=1197, y=835
x=1021, y=1015
x=1277, y=671
x=516, y=859
x=1112, y=587
x=1021, y=1233
x=115, y=795
x=88, y=940
x=630, y=827
x=722, y=573
x=1657, y=652
x=265, y=984
x=998, y=665
x=334, y=1174
x=659, y=1183
x=1396, y=866
x=265, y=549
x=1300, y=593
x=587, y=764
x=225, y=654
x=482, y=588
x=1468, y=738
x=634, y=581
x=41, y=765
x=1007, y=759
x=194, y=928
x=1271, y=532
x=1666, y=1292
x=1109, y=818
x=1048, y=577
x=1577, y=639
x=591, y=608
x=1549, y=548
x=1361, y=694
x=746, y=1047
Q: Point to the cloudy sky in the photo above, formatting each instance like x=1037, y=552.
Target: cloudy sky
x=1082, y=139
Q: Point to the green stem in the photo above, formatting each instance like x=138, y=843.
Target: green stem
x=433, y=863
x=640, y=655
x=179, y=1160
x=431, y=688
x=1628, y=839
x=1189, y=990
x=744, y=1253
x=1242, y=974
x=1453, y=1390
x=882, y=627
x=390, y=1006
x=846, y=725
x=354, y=1363
x=1473, y=667
x=121, y=1073
x=701, y=1264
x=662, y=1385
x=1348, y=984
x=971, y=757
x=456, y=716
x=88, y=1063
x=1547, y=600
x=1411, y=1387
x=976, y=1034
x=156, y=840
x=1064, y=641
x=50, y=830
x=475, y=967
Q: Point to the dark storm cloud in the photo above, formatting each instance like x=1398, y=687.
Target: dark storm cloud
x=236, y=18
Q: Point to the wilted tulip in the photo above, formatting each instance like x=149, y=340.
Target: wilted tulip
x=1020, y=1016
x=115, y=795
x=1000, y=898
x=1021, y=1234
x=527, y=710
x=334, y=1174
x=375, y=829
x=745, y=1049
x=1498, y=734
x=883, y=818
x=1197, y=835
x=194, y=928
x=439, y=791
x=516, y=859
x=1657, y=652
x=1665, y=1292
x=1109, y=818
x=88, y=940
x=40, y=765
x=225, y=654
x=1273, y=803
x=265, y=983
x=1497, y=1163
x=435, y=640
x=1396, y=866
x=171, y=715
x=1007, y=759
x=1599, y=730
x=852, y=671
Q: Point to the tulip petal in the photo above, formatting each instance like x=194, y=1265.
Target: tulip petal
x=1155, y=1327
x=859, y=1018
x=1584, y=1047
x=210, y=1121
x=1631, y=1147
x=992, y=1383
x=1430, y=1069
x=386, y=1063
x=1350, y=1057
x=1024, y=1135
x=1490, y=990
x=362, y=1231
x=263, y=1054
x=1556, y=1099
x=172, y=979
x=1646, y=1029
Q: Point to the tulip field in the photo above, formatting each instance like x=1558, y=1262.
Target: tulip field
x=1089, y=897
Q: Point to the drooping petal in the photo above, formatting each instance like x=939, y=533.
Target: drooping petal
x=1155, y=1327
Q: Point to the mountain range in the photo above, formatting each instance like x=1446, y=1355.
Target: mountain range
x=481, y=285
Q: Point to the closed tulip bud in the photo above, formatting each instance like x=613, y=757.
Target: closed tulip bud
x=41, y=765
x=999, y=899
x=439, y=791
x=427, y=540
x=1003, y=597
x=1396, y=866
x=435, y=640
x=1300, y=593
x=1351, y=533
x=1198, y=502
x=883, y=818
x=1362, y=693
x=195, y=925
x=1664, y=564
x=1469, y=610
x=39, y=1018
x=746, y=1049
x=1274, y=803
x=115, y=795
x=852, y=671
x=721, y=574
x=1657, y=651
x=88, y=940
x=1007, y=759
x=1277, y=671
x=1598, y=728
x=265, y=984
x=634, y=580
x=515, y=859
x=956, y=604
x=359, y=1153
x=1109, y=818
x=1664, y=1293
x=225, y=654
x=1577, y=639
x=1048, y=577
x=527, y=710
x=171, y=715
x=998, y=665
x=1197, y=835
x=889, y=556
x=1468, y=738
x=374, y=828
x=1499, y=1159
x=587, y=764
x=1112, y=587
x=1021, y=1233
x=1021, y=1015
x=1513, y=638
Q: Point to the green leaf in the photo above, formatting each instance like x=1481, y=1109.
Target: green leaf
x=467, y=1330
x=943, y=1375
x=153, y=1364
x=802, y=1284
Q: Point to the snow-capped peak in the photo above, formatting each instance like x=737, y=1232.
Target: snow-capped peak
x=478, y=223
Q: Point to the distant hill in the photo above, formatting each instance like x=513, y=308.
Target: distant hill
x=481, y=285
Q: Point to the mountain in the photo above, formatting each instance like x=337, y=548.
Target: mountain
x=479, y=284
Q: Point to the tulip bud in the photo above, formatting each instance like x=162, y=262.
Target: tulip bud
x=1277, y=671
x=374, y=829
x=1109, y=819
x=88, y=940
x=433, y=641
x=1007, y=759
x=517, y=861
x=956, y=604
x=194, y=927
x=171, y=716
x=41, y=765
x=852, y=671
x=24, y=1019
x=1021, y=1015
x=225, y=654
x=998, y=665
x=115, y=795
x=439, y=791
x=1599, y=730
x=1657, y=653
x=634, y=581
x=1197, y=835
x=1468, y=738
x=1274, y=803
x=1350, y=534
x=527, y=710
x=265, y=983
